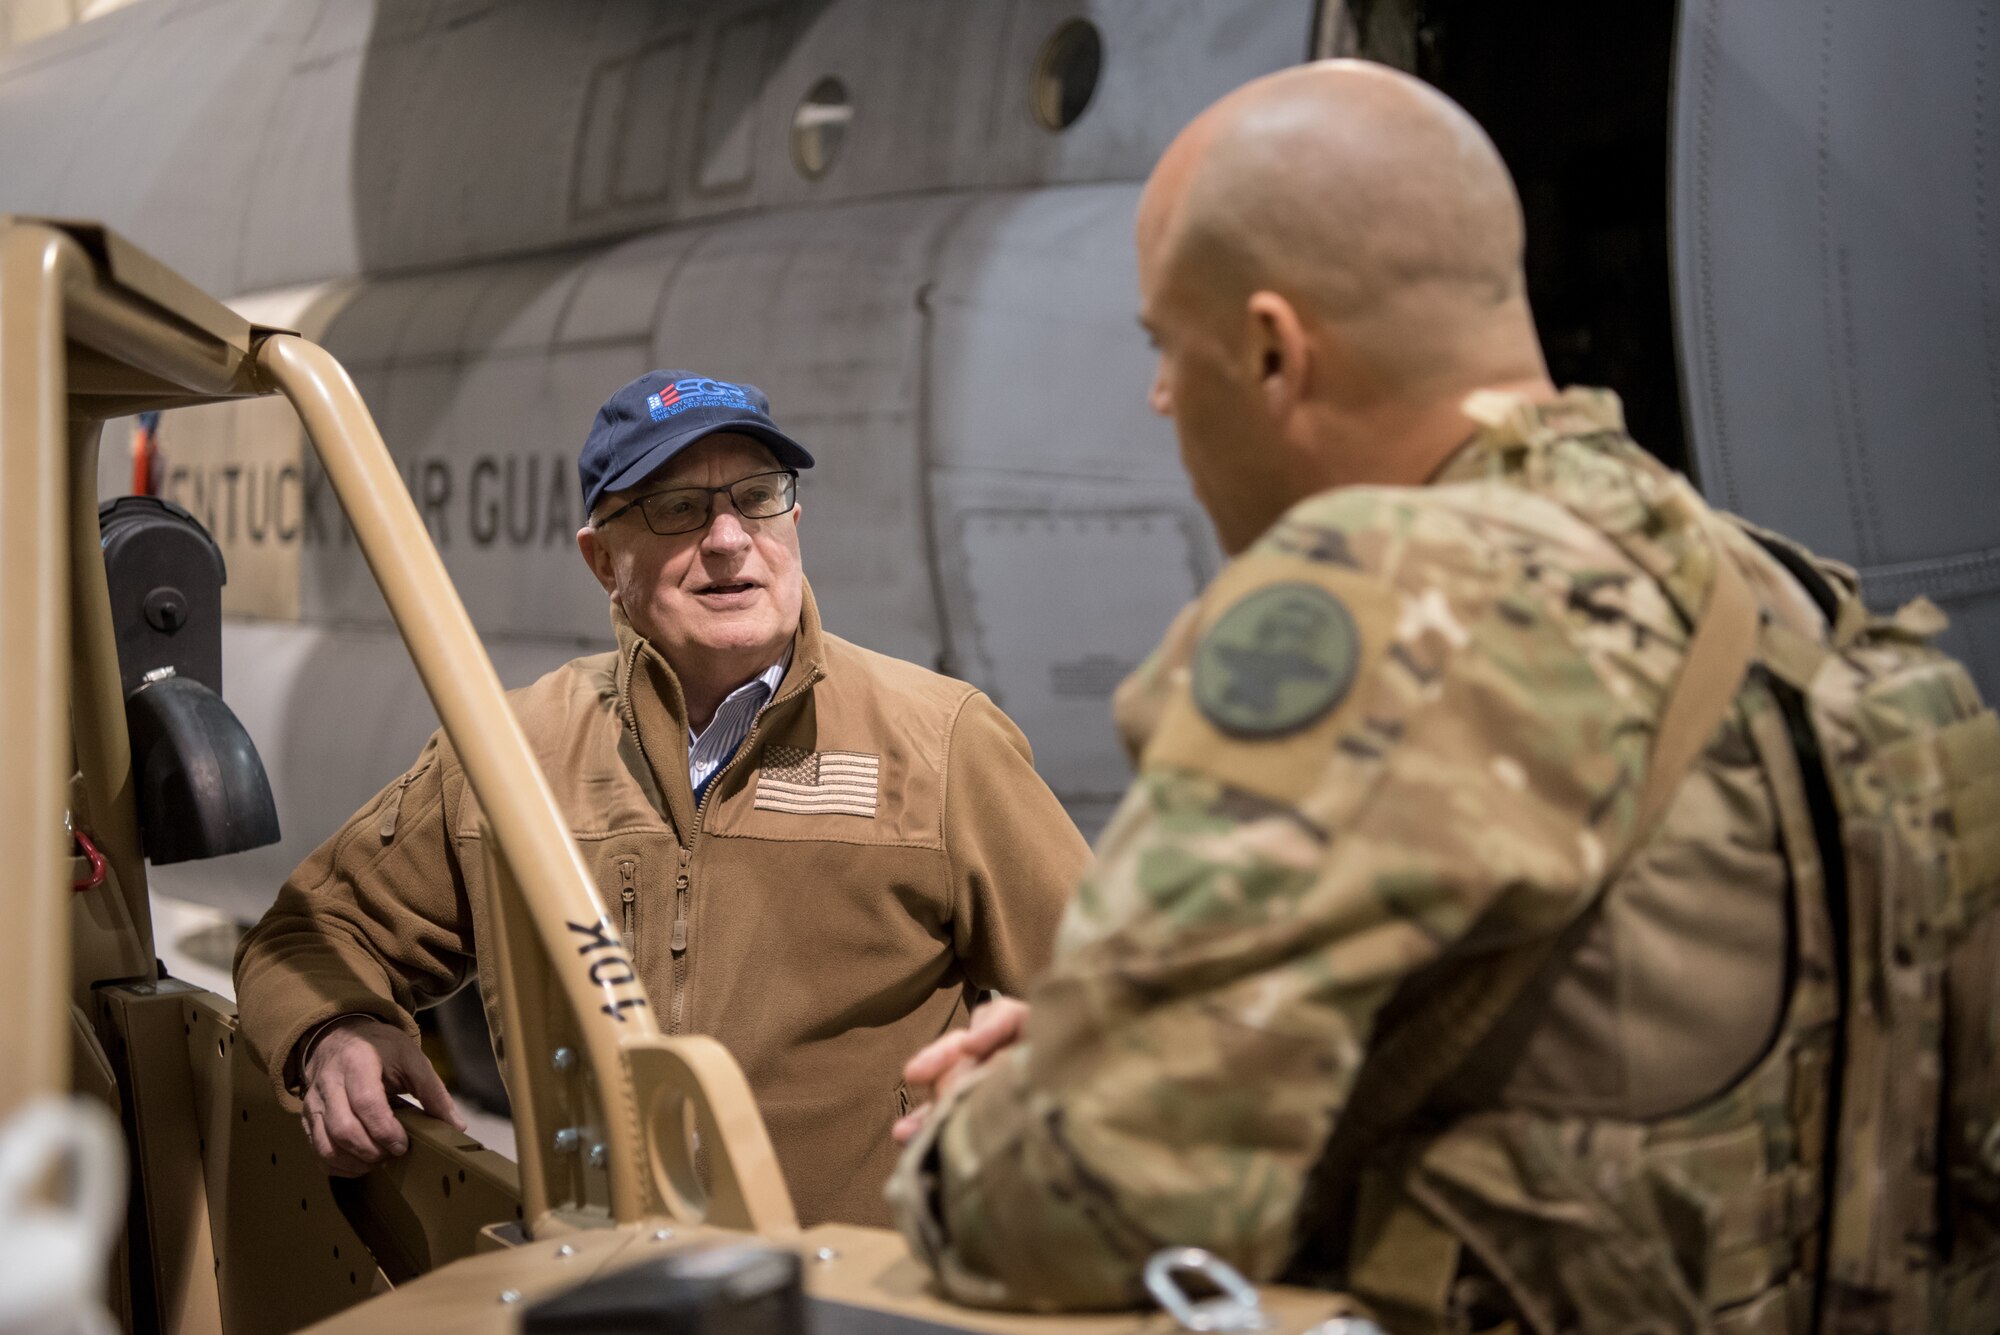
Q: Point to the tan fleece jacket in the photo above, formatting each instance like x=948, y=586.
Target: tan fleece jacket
x=820, y=945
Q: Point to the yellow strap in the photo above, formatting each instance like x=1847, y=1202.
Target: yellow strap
x=1718, y=655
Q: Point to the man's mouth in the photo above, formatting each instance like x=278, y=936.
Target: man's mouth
x=724, y=588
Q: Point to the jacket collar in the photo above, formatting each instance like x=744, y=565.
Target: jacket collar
x=654, y=707
x=1510, y=424
x=1653, y=515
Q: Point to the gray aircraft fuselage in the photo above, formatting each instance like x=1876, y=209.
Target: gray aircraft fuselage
x=494, y=212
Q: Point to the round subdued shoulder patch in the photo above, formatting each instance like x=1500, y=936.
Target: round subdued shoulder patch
x=1278, y=660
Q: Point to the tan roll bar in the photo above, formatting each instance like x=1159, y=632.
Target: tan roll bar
x=89, y=328
x=92, y=328
x=34, y=607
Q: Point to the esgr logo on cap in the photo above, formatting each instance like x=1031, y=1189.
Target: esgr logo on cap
x=647, y=422
x=696, y=393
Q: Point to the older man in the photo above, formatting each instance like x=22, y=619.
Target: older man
x=820, y=855
x=1465, y=940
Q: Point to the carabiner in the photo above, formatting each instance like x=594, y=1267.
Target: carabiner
x=99, y=868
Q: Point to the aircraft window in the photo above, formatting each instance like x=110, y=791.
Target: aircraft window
x=819, y=127
x=1066, y=74
x=645, y=141
x=729, y=110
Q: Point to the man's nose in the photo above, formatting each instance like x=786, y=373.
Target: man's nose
x=725, y=532
x=1161, y=401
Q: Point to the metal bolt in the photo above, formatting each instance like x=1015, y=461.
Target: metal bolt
x=662, y=1234
x=599, y=1156
x=510, y=1295
x=567, y=1139
x=826, y=1254
x=564, y=1059
x=564, y=1252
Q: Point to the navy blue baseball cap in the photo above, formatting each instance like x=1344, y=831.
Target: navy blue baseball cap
x=662, y=413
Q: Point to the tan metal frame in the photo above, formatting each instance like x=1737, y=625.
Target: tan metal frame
x=34, y=606
x=57, y=287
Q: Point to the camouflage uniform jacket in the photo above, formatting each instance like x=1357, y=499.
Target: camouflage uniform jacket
x=1404, y=729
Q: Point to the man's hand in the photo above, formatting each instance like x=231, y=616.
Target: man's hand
x=941, y=1065
x=353, y=1068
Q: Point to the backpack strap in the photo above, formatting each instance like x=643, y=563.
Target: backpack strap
x=1799, y=564
x=1406, y=1064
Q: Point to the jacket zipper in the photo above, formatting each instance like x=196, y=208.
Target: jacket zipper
x=628, y=898
x=683, y=883
x=680, y=944
x=394, y=808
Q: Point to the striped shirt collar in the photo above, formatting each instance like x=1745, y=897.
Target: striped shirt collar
x=710, y=749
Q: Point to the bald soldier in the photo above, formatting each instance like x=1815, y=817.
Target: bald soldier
x=1441, y=949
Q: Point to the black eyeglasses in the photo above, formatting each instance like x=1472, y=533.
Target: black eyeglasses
x=685, y=509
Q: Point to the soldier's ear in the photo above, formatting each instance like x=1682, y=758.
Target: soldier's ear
x=1280, y=352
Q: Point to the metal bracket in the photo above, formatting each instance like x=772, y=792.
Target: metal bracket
x=1234, y=1308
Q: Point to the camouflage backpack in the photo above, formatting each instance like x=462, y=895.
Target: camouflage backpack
x=1886, y=772
x=1900, y=764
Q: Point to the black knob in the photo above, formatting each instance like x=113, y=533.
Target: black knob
x=166, y=610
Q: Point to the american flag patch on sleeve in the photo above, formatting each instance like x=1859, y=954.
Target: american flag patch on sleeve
x=818, y=783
